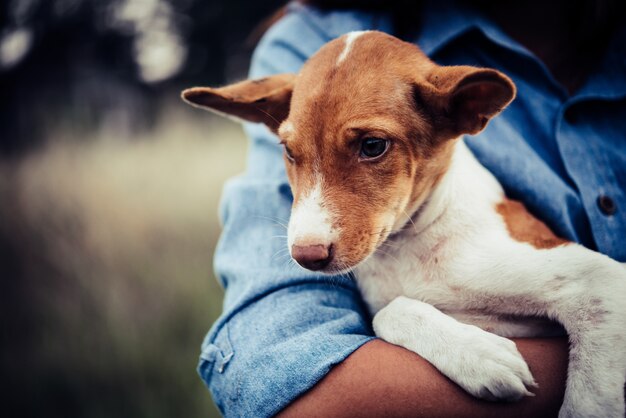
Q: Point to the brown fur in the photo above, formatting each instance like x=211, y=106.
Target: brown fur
x=327, y=134
x=265, y=100
x=524, y=227
x=384, y=88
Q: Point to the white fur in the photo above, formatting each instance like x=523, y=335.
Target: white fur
x=486, y=365
x=286, y=128
x=311, y=221
x=350, y=38
x=459, y=261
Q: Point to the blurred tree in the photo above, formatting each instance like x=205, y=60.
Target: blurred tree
x=77, y=64
x=67, y=69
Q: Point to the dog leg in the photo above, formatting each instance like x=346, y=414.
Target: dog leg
x=482, y=363
x=583, y=290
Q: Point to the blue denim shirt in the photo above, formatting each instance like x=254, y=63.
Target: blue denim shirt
x=283, y=328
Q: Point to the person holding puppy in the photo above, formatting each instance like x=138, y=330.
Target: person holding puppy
x=294, y=343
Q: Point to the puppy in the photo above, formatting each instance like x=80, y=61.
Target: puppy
x=384, y=187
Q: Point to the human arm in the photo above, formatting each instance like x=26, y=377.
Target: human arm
x=380, y=379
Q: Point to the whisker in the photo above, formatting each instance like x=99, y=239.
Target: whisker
x=410, y=220
x=295, y=267
x=390, y=245
x=272, y=218
x=281, y=252
x=282, y=257
x=388, y=254
x=277, y=221
x=263, y=111
x=378, y=232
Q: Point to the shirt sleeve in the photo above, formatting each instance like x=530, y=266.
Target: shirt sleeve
x=283, y=328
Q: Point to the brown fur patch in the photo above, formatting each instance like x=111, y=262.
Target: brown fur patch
x=335, y=104
x=383, y=88
x=524, y=227
x=263, y=100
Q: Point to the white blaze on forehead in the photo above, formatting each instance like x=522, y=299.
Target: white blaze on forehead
x=311, y=221
x=350, y=38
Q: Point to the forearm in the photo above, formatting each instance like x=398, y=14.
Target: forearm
x=380, y=379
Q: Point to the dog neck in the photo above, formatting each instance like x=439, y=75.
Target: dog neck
x=466, y=188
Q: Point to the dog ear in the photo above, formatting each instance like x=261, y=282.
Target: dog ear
x=264, y=100
x=466, y=98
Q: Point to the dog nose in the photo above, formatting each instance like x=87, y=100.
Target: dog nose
x=312, y=257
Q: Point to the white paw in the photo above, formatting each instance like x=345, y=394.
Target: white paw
x=484, y=364
x=487, y=366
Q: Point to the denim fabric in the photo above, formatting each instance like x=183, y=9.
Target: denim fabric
x=283, y=328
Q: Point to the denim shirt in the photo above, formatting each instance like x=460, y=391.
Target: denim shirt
x=283, y=328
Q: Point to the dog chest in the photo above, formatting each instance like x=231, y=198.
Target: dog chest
x=426, y=271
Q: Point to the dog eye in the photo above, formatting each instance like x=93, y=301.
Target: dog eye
x=373, y=147
x=288, y=154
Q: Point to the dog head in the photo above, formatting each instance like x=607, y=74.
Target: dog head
x=368, y=128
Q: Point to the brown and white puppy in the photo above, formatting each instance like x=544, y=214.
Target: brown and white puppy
x=384, y=187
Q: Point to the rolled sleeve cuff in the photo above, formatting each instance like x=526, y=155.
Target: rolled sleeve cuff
x=277, y=348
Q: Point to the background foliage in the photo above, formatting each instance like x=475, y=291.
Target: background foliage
x=109, y=189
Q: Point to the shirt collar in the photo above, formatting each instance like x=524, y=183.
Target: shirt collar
x=444, y=21
x=608, y=81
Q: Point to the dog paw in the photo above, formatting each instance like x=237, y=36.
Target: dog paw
x=489, y=366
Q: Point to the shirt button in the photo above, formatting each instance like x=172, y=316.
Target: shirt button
x=607, y=205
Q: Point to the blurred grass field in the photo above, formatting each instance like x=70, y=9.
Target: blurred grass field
x=111, y=242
